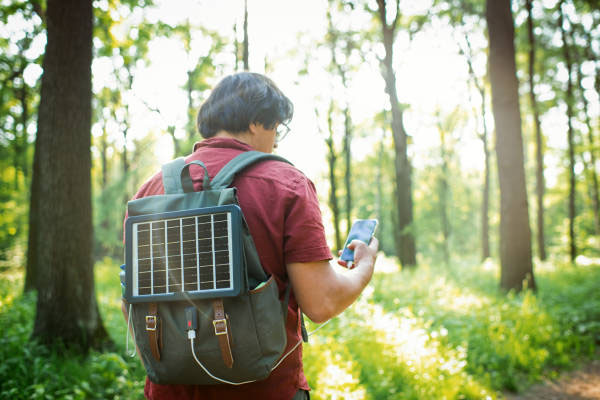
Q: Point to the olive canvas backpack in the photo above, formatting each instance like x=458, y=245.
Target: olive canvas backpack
x=201, y=307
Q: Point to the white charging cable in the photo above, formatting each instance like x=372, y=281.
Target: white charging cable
x=130, y=325
x=192, y=336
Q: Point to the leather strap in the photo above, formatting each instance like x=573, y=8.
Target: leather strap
x=221, y=325
x=153, y=327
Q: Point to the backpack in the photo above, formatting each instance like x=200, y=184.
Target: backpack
x=203, y=309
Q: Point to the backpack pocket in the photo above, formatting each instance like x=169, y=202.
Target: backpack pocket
x=255, y=322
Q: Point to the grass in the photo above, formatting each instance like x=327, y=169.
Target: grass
x=429, y=333
x=436, y=333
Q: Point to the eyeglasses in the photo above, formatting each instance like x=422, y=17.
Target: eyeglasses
x=281, y=132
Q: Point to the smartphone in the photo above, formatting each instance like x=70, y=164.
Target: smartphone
x=363, y=230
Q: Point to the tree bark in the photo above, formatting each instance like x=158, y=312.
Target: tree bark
x=485, y=193
x=405, y=245
x=590, y=167
x=348, y=162
x=332, y=161
x=347, y=142
x=21, y=140
x=66, y=309
x=246, y=45
x=570, y=133
x=104, y=157
x=515, y=233
x=32, y=240
x=539, y=151
x=443, y=195
x=379, y=200
x=236, y=48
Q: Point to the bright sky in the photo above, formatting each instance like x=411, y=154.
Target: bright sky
x=431, y=76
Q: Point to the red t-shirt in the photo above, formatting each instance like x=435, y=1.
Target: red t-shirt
x=282, y=211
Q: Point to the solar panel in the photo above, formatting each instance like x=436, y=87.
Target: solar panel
x=189, y=254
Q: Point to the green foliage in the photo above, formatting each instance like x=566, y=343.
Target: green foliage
x=13, y=210
x=21, y=28
x=434, y=333
x=110, y=197
x=31, y=371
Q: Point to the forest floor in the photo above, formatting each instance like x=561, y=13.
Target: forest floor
x=580, y=384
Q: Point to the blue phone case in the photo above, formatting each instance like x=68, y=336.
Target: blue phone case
x=362, y=230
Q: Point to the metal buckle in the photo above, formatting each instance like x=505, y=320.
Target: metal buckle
x=223, y=327
x=151, y=322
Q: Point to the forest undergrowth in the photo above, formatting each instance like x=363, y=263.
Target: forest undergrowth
x=427, y=333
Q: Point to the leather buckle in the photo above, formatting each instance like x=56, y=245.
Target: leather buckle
x=151, y=322
x=221, y=329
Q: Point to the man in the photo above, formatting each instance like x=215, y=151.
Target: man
x=246, y=111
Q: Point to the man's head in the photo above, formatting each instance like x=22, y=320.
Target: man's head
x=240, y=100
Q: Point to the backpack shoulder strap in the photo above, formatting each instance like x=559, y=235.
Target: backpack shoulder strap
x=225, y=176
x=172, y=176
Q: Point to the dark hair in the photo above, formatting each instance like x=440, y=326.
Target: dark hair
x=240, y=100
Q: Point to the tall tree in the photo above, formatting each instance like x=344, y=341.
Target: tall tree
x=405, y=245
x=245, y=44
x=515, y=233
x=539, y=143
x=66, y=309
x=590, y=166
x=343, y=42
x=484, y=137
x=236, y=48
x=444, y=128
x=570, y=100
x=332, y=158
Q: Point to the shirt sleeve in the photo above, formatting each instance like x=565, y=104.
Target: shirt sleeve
x=304, y=236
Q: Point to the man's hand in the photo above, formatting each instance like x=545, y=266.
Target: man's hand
x=362, y=253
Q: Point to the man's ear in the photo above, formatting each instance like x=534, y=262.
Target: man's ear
x=254, y=127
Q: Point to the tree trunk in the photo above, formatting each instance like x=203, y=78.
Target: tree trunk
x=539, y=151
x=333, y=199
x=32, y=239
x=348, y=166
x=485, y=204
x=515, y=233
x=570, y=133
x=191, y=111
x=104, y=157
x=176, y=144
x=245, y=56
x=236, y=48
x=379, y=201
x=405, y=245
x=485, y=195
x=21, y=141
x=347, y=142
x=590, y=167
x=66, y=310
x=443, y=193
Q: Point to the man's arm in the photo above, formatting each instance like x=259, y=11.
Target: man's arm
x=323, y=290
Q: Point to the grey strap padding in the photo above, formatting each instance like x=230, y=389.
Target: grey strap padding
x=224, y=178
x=172, y=176
x=176, y=175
